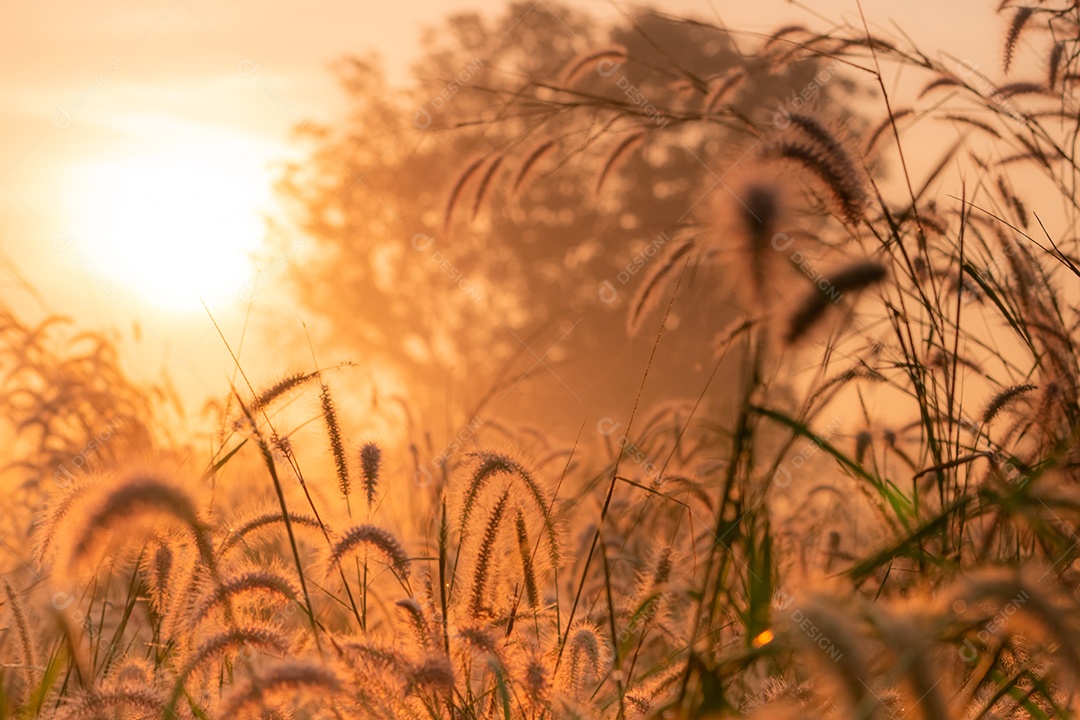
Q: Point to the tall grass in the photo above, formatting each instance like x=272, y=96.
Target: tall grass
x=876, y=518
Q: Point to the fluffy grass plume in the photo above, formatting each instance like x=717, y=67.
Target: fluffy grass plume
x=160, y=568
x=837, y=173
x=374, y=537
x=722, y=88
x=852, y=278
x=232, y=641
x=458, y=188
x=270, y=584
x=647, y=295
x=530, y=163
x=237, y=533
x=139, y=494
x=528, y=569
x=121, y=702
x=417, y=622
x=485, y=183
x=491, y=465
x=370, y=464
x=576, y=68
x=53, y=522
x=586, y=661
x=1019, y=22
x=617, y=155
x=485, y=558
x=313, y=678
x=282, y=387
x=1003, y=399
x=337, y=444
x=23, y=628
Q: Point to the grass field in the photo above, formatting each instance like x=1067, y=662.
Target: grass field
x=870, y=511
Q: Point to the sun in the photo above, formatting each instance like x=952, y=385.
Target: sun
x=175, y=227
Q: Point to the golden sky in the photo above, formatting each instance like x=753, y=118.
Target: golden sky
x=96, y=96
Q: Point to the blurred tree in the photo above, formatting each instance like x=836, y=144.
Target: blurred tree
x=531, y=274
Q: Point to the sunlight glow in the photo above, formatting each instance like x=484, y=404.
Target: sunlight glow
x=175, y=225
x=763, y=639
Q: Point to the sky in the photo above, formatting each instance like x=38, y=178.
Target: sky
x=98, y=98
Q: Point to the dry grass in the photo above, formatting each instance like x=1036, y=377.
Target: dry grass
x=879, y=518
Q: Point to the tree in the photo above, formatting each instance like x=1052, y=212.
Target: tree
x=452, y=236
